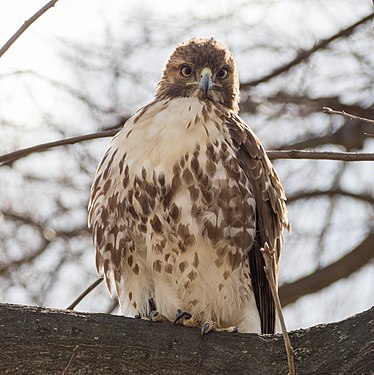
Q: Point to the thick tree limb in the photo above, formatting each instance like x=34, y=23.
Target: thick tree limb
x=305, y=54
x=322, y=278
x=26, y=25
x=39, y=341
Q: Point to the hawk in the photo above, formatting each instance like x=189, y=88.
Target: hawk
x=184, y=198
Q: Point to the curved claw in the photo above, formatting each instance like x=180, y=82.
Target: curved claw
x=181, y=315
x=153, y=314
x=206, y=328
x=212, y=326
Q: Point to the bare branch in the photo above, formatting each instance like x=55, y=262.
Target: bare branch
x=26, y=25
x=38, y=340
x=330, y=111
x=324, y=277
x=304, y=54
x=85, y=292
x=8, y=159
x=269, y=269
x=330, y=193
x=320, y=155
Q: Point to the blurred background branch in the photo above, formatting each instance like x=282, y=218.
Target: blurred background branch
x=26, y=25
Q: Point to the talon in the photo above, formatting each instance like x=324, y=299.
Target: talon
x=153, y=314
x=206, y=328
x=156, y=316
x=181, y=315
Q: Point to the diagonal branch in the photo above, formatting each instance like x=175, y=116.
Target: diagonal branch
x=304, y=54
x=85, y=292
x=26, y=25
x=322, y=278
x=8, y=159
x=269, y=269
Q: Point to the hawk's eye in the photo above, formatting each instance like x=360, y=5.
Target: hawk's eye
x=222, y=74
x=186, y=71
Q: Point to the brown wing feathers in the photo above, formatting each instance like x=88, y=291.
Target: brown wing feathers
x=270, y=210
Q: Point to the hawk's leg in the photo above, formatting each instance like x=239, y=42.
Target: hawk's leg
x=188, y=320
x=154, y=315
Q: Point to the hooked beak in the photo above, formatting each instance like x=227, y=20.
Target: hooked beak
x=206, y=82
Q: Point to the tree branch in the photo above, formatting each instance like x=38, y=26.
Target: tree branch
x=42, y=341
x=10, y=158
x=331, y=192
x=26, y=25
x=324, y=277
x=304, y=54
x=330, y=111
x=269, y=269
x=85, y=292
x=320, y=155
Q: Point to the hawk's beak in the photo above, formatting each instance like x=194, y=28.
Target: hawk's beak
x=206, y=82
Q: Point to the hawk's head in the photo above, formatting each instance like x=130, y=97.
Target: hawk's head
x=203, y=68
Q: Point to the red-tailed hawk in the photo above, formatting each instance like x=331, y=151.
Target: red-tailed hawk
x=185, y=197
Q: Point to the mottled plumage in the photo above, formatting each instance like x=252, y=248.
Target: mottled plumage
x=184, y=198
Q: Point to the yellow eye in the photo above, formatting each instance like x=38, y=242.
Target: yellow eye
x=223, y=73
x=186, y=71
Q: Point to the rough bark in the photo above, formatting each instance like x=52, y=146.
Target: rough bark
x=37, y=340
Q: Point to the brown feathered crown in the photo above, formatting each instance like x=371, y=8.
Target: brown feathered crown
x=184, y=71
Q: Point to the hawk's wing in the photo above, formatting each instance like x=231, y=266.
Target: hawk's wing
x=271, y=215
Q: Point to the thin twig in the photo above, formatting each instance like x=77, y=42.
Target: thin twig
x=85, y=292
x=26, y=25
x=305, y=54
x=269, y=271
x=320, y=155
x=330, y=111
x=73, y=355
x=19, y=154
